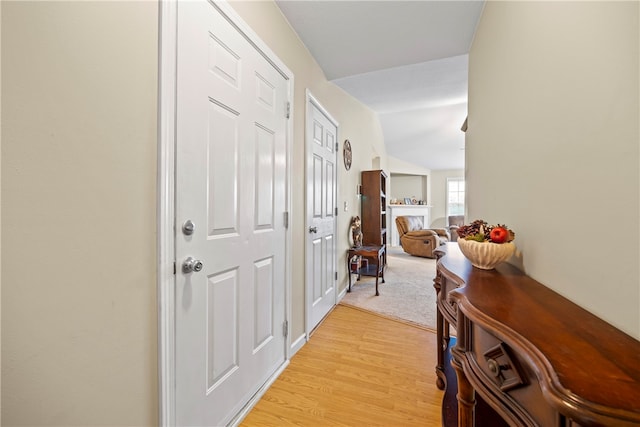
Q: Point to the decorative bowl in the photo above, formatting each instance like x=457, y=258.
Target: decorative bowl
x=486, y=255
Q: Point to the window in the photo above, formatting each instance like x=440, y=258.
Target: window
x=455, y=196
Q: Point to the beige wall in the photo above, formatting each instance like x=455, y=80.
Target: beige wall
x=79, y=146
x=79, y=318
x=0, y=217
x=396, y=165
x=357, y=123
x=414, y=173
x=408, y=186
x=552, y=145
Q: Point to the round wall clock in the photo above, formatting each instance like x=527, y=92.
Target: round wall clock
x=346, y=153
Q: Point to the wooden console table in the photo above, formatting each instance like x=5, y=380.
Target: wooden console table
x=534, y=357
x=371, y=252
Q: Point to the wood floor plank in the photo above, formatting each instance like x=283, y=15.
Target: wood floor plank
x=358, y=369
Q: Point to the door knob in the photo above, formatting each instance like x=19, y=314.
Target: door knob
x=190, y=265
x=313, y=229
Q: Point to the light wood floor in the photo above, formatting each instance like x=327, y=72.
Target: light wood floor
x=358, y=369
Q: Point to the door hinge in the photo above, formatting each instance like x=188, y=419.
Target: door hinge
x=286, y=219
x=337, y=147
x=285, y=328
x=174, y=267
x=336, y=211
x=288, y=112
x=336, y=275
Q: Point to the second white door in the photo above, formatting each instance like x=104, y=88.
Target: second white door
x=321, y=272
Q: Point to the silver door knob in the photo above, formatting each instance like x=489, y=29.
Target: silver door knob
x=190, y=265
x=313, y=229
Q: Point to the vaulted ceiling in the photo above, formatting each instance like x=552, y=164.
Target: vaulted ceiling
x=406, y=60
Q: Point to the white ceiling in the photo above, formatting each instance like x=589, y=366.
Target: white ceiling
x=406, y=60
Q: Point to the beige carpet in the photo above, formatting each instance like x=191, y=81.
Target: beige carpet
x=407, y=293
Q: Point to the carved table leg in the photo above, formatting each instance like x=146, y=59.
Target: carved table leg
x=442, y=336
x=466, y=398
x=377, y=276
x=383, y=263
x=442, y=347
x=349, y=270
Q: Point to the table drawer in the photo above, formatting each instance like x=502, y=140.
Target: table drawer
x=510, y=380
x=448, y=308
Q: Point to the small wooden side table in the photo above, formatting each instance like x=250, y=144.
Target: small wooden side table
x=370, y=252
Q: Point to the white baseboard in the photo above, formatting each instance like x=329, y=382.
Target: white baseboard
x=342, y=294
x=297, y=345
x=256, y=397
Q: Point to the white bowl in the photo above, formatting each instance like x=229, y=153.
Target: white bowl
x=486, y=255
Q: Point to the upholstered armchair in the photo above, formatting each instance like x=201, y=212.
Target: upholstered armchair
x=418, y=241
x=455, y=222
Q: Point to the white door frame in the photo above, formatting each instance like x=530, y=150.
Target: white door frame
x=166, y=262
x=309, y=158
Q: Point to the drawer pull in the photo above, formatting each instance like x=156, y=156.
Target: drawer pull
x=506, y=374
x=495, y=367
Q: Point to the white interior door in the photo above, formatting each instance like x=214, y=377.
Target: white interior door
x=231, y=160
x=321, y=136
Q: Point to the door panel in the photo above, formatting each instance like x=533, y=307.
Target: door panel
x=222, y=342
x=222, y=197
x=317, y=186
x=231, y=182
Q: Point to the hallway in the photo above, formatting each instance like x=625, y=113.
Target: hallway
x=358, y=369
